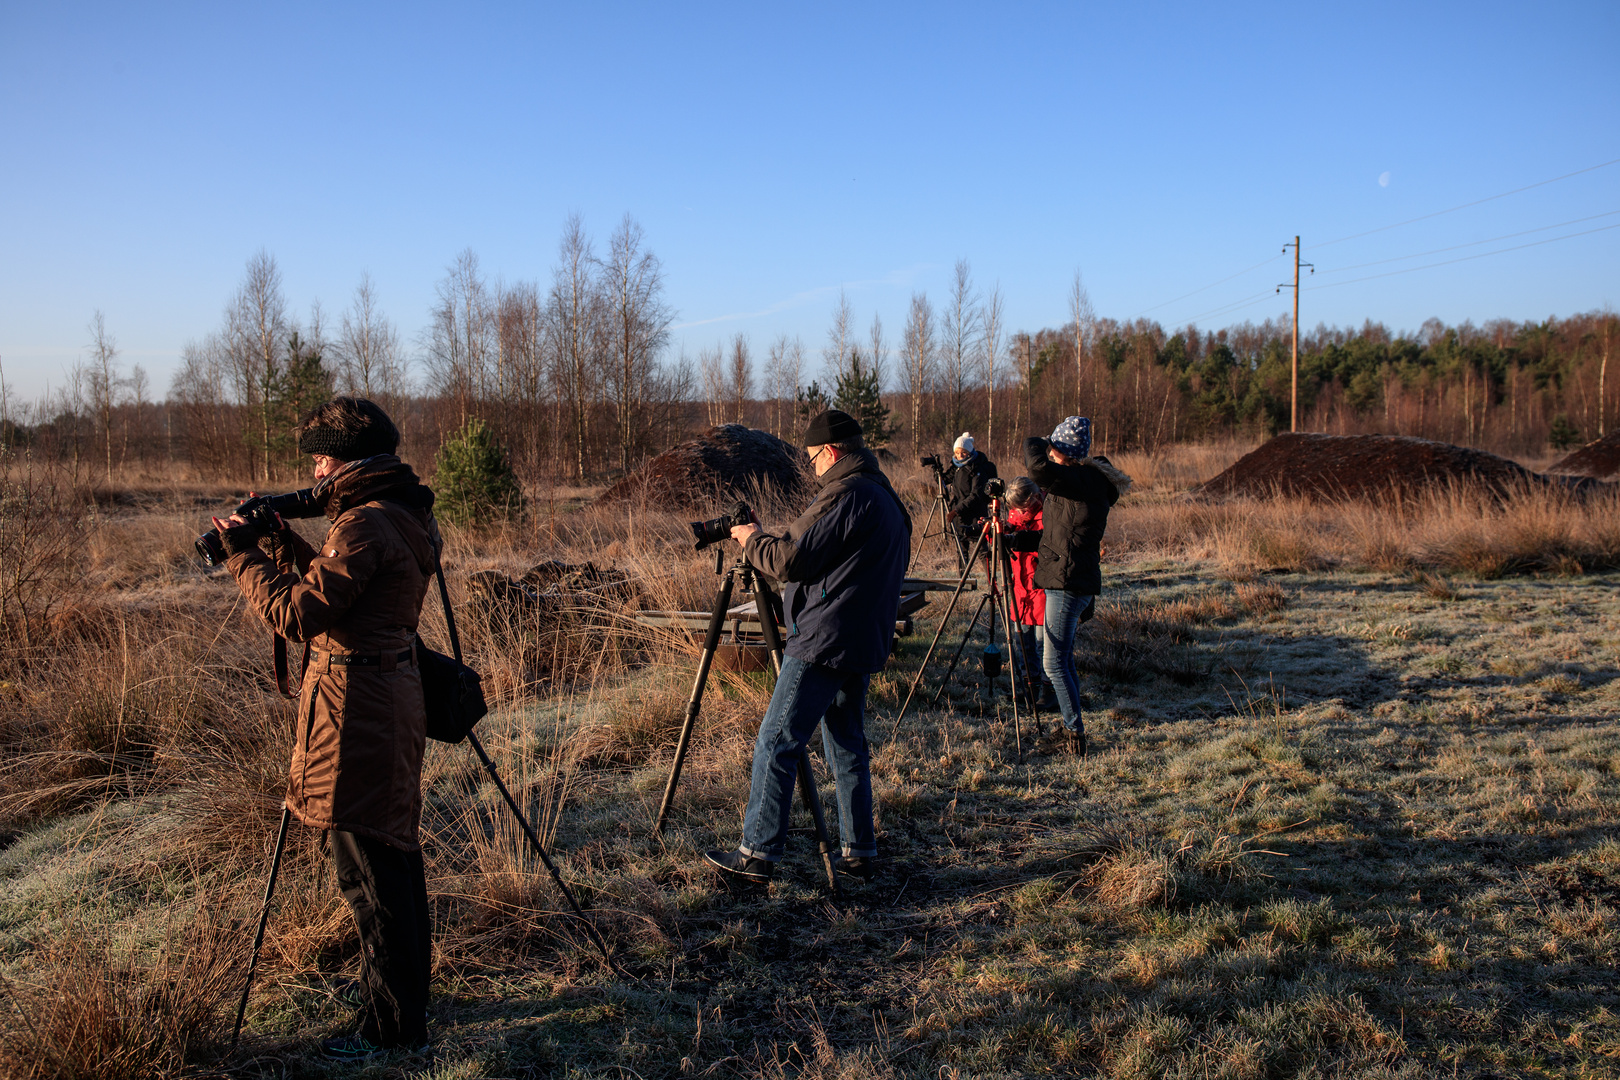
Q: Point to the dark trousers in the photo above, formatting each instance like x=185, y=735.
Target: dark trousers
x=387, y=891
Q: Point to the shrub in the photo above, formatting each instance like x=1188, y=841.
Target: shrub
x=473, y=478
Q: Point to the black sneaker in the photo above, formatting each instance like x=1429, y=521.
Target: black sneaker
x=743, y=866
x=857, y=866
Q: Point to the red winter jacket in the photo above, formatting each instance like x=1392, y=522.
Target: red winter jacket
x=1028, y=602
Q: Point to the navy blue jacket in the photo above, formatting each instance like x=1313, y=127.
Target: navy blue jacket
x=843, y=559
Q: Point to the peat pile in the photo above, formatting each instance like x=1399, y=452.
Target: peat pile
x=1599, y=459
x=724, y=463
x=1336, y=467
x=557, y=621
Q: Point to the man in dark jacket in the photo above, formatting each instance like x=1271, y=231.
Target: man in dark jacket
x=843, y=559
x=968, y=502
x=357, y=754
x=1079, y=492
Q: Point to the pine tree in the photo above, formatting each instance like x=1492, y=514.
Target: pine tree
x=473, y=479
x=859, y=394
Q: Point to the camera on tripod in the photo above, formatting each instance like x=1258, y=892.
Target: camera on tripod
x=261, y=510
x=931, y=462
x=995, y=487
x=717, y=529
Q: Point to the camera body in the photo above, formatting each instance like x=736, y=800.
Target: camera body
x=995, y=487
x=931, y=462
x=262, y=511
x=717, y=529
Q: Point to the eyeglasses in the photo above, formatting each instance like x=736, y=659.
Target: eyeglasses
x=821, y=450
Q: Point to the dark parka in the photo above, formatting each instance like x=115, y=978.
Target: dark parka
x=843, y=559
x=1073, y=520
x=967, y=498
x=357, y=753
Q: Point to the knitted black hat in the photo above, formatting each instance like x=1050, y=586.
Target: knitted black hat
x=347, y=429
x=832, y=426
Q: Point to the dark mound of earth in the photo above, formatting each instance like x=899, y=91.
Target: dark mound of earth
x=1372, y=466
x=1599, y=459
x=726, y=462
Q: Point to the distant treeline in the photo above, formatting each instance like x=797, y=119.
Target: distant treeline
x=578, y=381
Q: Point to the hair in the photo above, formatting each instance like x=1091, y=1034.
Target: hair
x=358, y=422
x=1021, y=492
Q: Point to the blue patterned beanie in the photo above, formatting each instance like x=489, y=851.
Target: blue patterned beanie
x=1073, y=436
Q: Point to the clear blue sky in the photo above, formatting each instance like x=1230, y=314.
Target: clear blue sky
x=774, y=154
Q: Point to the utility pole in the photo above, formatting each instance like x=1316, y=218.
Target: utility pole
x=1293, y=399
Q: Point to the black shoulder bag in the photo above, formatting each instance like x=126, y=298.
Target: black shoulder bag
x=452, y=692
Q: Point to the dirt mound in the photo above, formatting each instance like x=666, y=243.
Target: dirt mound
x=1599, y=459
x=726, y=462
x=1367, y=466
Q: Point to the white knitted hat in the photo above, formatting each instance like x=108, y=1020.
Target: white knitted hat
x=964, y=441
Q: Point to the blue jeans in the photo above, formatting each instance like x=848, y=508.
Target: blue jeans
x=1064, y=611
x=1029, y=645
x=807, y=694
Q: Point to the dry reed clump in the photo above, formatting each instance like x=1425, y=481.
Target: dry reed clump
x=85, y=1009
x=1529, y=531
x=1129, y=641
x=1129, y=870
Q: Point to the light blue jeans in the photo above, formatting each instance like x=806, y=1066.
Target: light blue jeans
x=807, y=694
x=1064, y=613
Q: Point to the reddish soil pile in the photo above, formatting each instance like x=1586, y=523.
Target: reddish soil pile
x=1599, y=459
x=726, y=462
x=1366, y=466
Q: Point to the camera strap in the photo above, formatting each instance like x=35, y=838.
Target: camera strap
x=283, y=675
x=449, y=616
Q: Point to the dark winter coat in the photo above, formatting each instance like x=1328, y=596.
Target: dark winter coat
x=843, y=559
x=357, y=752
x=967, y=497
x=1074, y=517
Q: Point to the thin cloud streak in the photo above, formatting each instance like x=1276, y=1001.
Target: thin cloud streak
x=800, y=299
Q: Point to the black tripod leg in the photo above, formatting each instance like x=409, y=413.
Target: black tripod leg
x=960, y=585
x=765, y=605
x=922, y=536
x=717, y=622
x=264, y=919
x=962, y=646
x=534, y=842
x=1023, y=647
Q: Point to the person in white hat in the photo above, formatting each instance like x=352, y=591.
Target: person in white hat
x=967, y=502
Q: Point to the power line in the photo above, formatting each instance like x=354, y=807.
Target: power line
x=1472, y=243
x=1211, y=285
x=1467, y=258
x=1236, y=305
x=1466, y=205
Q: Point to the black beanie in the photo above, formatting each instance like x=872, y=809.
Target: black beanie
x=832, y=426
x=348, y=429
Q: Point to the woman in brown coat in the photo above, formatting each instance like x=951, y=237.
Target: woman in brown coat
x=357, y=754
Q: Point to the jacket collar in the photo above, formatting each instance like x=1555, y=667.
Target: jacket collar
x=862, y=460
x=382, y=476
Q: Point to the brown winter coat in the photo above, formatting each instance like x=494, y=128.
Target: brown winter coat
x=357, y=754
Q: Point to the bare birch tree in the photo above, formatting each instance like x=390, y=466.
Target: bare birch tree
x=572, y=315
x=460, y=336
x=917, y=359
x=990, y=359
x=520, y=337
x=103, y=381
x=255, y=326
x=960, y=327
x=1082, y=323
x=638, y=330
x=840, y=338
x=741, y=376
x=712, y=364
x=366, y=351
x=775, y=377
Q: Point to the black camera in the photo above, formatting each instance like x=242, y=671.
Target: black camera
x=930, y=462
x=994, y=487
x=717, y=529
x=261, y=510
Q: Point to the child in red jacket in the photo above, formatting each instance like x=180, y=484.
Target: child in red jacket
x=1028, y=603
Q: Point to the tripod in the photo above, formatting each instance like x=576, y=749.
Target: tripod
x=938, y=506
x=992, y=542
x=765, y=603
